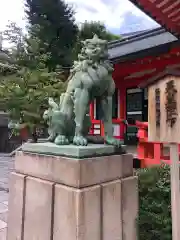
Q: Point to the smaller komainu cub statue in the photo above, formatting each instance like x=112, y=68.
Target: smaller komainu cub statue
x=90, y=78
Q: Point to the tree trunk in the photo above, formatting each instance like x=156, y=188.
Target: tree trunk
x=34, y=135
x=24, y=134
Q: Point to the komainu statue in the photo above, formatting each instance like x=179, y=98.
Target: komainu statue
x=90, y=78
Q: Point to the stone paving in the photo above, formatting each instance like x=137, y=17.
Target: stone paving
x=6, y=166
x=3, y=214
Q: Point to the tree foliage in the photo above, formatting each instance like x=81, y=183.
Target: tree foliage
x=57, y=32
x=13, y=34
x=155, y=204
x=25, y=94
x=87, y=31
x=52, y=43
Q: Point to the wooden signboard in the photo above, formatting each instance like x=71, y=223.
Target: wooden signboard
x=164, y=109
x=164, y=126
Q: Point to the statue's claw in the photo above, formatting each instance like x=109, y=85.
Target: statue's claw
x=61, y=140
x=80, y=141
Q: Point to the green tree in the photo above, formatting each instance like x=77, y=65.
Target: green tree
x=154, y=218
x=88, y=29
x=57, y=32
x=25, y=94
x=14, y=35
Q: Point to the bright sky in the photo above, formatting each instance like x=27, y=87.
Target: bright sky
x=111, y=12
x=12, y=10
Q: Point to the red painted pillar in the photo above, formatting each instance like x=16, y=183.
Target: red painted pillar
x=91, y=113
x=102, y=129
x=122, y=110
x=157, y=152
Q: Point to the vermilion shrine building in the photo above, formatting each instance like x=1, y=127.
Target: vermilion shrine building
x=136, y=59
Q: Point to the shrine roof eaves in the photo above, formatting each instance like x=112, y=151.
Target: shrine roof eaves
x=154, y=79
x=136, y=35
x=164, y=12
x=119, y=50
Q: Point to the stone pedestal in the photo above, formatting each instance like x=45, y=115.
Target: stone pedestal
x=53, y=197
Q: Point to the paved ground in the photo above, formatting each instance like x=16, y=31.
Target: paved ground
x=3, y=214
x=6, y=166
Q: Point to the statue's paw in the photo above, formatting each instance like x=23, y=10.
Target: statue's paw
x=80, y=141
x=117, y=143
x=61, y=140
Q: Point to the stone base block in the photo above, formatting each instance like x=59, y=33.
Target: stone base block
x=77, y=213
x=16, y=206
x=112, y=210
x=74, y=172
x=46, y=206
x=38, y=207
x=130, y=205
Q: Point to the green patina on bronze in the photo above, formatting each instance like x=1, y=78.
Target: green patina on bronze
x=90, y=78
